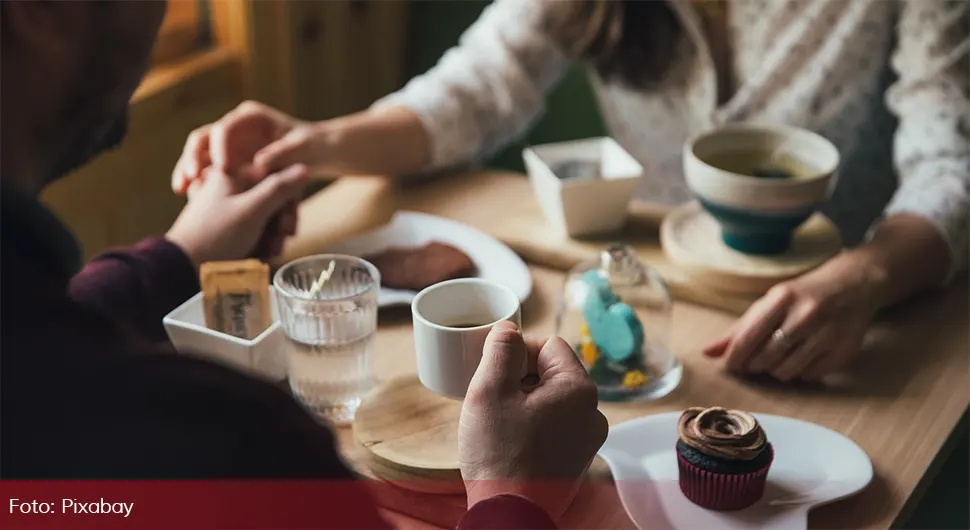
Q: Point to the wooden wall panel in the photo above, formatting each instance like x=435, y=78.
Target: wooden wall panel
x=257, y=31
x=314, y=59
x=345, y=54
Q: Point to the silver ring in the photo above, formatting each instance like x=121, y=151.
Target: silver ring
x=781, y=338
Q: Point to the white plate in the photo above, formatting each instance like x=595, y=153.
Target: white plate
x=812, y=466
x=495, y=261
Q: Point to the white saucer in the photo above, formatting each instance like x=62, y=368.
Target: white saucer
x=495, y=261
x=813, y=465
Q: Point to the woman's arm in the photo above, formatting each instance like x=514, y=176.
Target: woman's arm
x=815, y=325
x=923, y=239
x=482, y=94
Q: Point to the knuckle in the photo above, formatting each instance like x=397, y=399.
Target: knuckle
x=249, y=106
x=502, y=336
x=300, y=135
x=273, y=186
x=585, y=393
x=198, y=134
x=476, y=396
x=812, y=307
x=601, y=428
x=782, y=291
x=558, y=343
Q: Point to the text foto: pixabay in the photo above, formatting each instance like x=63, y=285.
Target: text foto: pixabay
x=72, y=506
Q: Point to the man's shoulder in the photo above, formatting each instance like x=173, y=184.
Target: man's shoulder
x=145, y=413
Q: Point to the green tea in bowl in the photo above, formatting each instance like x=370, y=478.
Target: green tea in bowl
x=760, y=182
x=762, y=164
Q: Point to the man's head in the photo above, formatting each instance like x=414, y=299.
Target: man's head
x=68, y=70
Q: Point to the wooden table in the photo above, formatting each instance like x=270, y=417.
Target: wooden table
x=900, y=401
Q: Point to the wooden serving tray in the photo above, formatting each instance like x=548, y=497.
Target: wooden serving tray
x=502, y=204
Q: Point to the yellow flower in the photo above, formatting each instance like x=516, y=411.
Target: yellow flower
x=634, y=378
x=590, y=353
x=584, y=333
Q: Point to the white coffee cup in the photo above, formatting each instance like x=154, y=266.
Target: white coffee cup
x=451, y=321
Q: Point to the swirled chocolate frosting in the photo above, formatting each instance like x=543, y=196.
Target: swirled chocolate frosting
x=723, y=433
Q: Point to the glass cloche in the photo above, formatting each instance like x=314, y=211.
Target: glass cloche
x=616, y=314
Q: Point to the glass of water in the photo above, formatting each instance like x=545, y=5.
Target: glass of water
x=328, y=311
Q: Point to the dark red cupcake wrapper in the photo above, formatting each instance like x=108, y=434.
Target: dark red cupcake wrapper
x=722, y=491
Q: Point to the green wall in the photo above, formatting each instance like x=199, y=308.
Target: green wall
x=571, y=110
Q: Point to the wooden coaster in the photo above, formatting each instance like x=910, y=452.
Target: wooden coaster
x=411, y=434
x=691, y=238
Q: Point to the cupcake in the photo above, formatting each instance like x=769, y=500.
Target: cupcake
x=723, y=457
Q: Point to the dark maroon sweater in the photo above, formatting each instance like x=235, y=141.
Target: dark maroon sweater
x=91, y=390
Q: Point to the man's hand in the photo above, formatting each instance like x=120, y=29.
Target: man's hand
x=535, y=441
x=227, y=220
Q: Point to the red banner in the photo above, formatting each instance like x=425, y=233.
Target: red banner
x=187, y=505
x=290, y=505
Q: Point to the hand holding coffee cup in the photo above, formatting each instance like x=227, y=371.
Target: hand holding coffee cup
x=451, y=322
x=536, y=441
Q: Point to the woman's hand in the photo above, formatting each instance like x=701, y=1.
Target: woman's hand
x=808, y=327
x=249, y=143
x=814, y=325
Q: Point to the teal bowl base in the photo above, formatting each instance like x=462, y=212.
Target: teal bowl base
x=757, y=233
x=758, y=244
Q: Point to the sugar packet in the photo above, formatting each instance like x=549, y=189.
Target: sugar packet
x=235, y=297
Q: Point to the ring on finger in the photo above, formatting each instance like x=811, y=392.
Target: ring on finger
x=781, y=340
x=777, y=348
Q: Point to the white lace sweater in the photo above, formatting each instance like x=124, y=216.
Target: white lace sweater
x=887, y=81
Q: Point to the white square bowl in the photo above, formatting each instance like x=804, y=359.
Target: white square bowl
x=263, y=356
x=582, y=206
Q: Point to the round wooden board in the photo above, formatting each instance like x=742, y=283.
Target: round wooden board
x=691, y=239
x=411, y=434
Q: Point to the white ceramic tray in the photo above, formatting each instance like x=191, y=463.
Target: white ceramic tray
x=813, y=466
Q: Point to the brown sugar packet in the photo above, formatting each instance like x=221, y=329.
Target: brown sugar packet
x=235, y=297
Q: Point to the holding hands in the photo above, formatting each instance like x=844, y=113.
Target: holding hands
x=254, y=141
x=239, y=167
x=251, y=141
x=226, y=220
